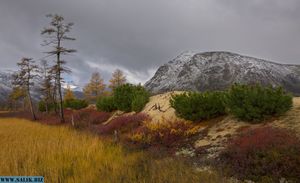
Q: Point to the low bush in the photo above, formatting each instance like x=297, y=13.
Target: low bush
x=75, y=104
x=198, y=106
x=123, y=123
x=166, y=134
x=106, y=104
x=264, y=153
x=86, y=117
x=129, y=97
x=255, y=103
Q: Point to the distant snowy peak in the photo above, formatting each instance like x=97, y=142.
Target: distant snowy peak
x=219, y=70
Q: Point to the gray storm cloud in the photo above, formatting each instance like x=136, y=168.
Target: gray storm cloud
x=138, y=35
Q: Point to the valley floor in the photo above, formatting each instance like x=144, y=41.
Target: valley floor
x=62, y=154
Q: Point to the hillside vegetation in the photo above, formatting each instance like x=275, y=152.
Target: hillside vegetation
x=61, y=154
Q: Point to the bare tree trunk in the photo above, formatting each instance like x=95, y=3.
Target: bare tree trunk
x=31, y=105
x=24, y=104
x=62, y=117
x=54, y=99
x=46, y=105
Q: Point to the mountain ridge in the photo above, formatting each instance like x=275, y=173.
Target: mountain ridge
x=218, y=70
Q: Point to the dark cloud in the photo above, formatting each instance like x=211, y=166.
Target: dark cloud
x=138, y=35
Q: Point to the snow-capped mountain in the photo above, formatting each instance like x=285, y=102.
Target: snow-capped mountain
x=219, y=70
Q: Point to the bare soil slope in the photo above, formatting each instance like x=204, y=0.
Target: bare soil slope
x=159, y=109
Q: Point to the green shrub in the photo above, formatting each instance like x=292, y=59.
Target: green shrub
x=198, y=106
x=129, y=97
x=75, y=104
x=139, y=102
x=140, y=99
x=123, y=96
x=255, y=103
x=106, y=104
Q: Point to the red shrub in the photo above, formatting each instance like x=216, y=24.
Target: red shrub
x=264, y=153
x=86, y=117
x=49, y=119
x=165, y=134
x=123, y=123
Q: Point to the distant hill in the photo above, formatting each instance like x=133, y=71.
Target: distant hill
x=6, y=87
x=219, y=70
x=5, y=84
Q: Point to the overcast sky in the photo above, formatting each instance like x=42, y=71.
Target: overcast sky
x=138, y=36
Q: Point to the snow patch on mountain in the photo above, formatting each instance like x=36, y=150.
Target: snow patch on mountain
x=219, y=70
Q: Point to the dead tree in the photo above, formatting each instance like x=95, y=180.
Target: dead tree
x=157, y=107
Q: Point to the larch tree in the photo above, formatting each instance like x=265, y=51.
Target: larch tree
x=118, y=79
x=24, y=79
x=69, y=95
x=56, y=34
x=17, y=95
x=95, y=88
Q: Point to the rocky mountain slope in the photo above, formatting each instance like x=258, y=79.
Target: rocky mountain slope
x=219, y=70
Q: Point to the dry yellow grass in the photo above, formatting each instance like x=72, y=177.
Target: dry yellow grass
x=291, y=120
x=64, y=155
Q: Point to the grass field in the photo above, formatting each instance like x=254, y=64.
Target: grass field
x=61, y=154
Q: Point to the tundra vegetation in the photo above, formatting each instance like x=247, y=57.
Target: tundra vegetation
x=61, y=154
x=126, y=97
x=264, y=154
x=252, y=103
x=255, y=103
x=197, y=106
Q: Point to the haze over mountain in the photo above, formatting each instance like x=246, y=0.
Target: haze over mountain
x=219, y=70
